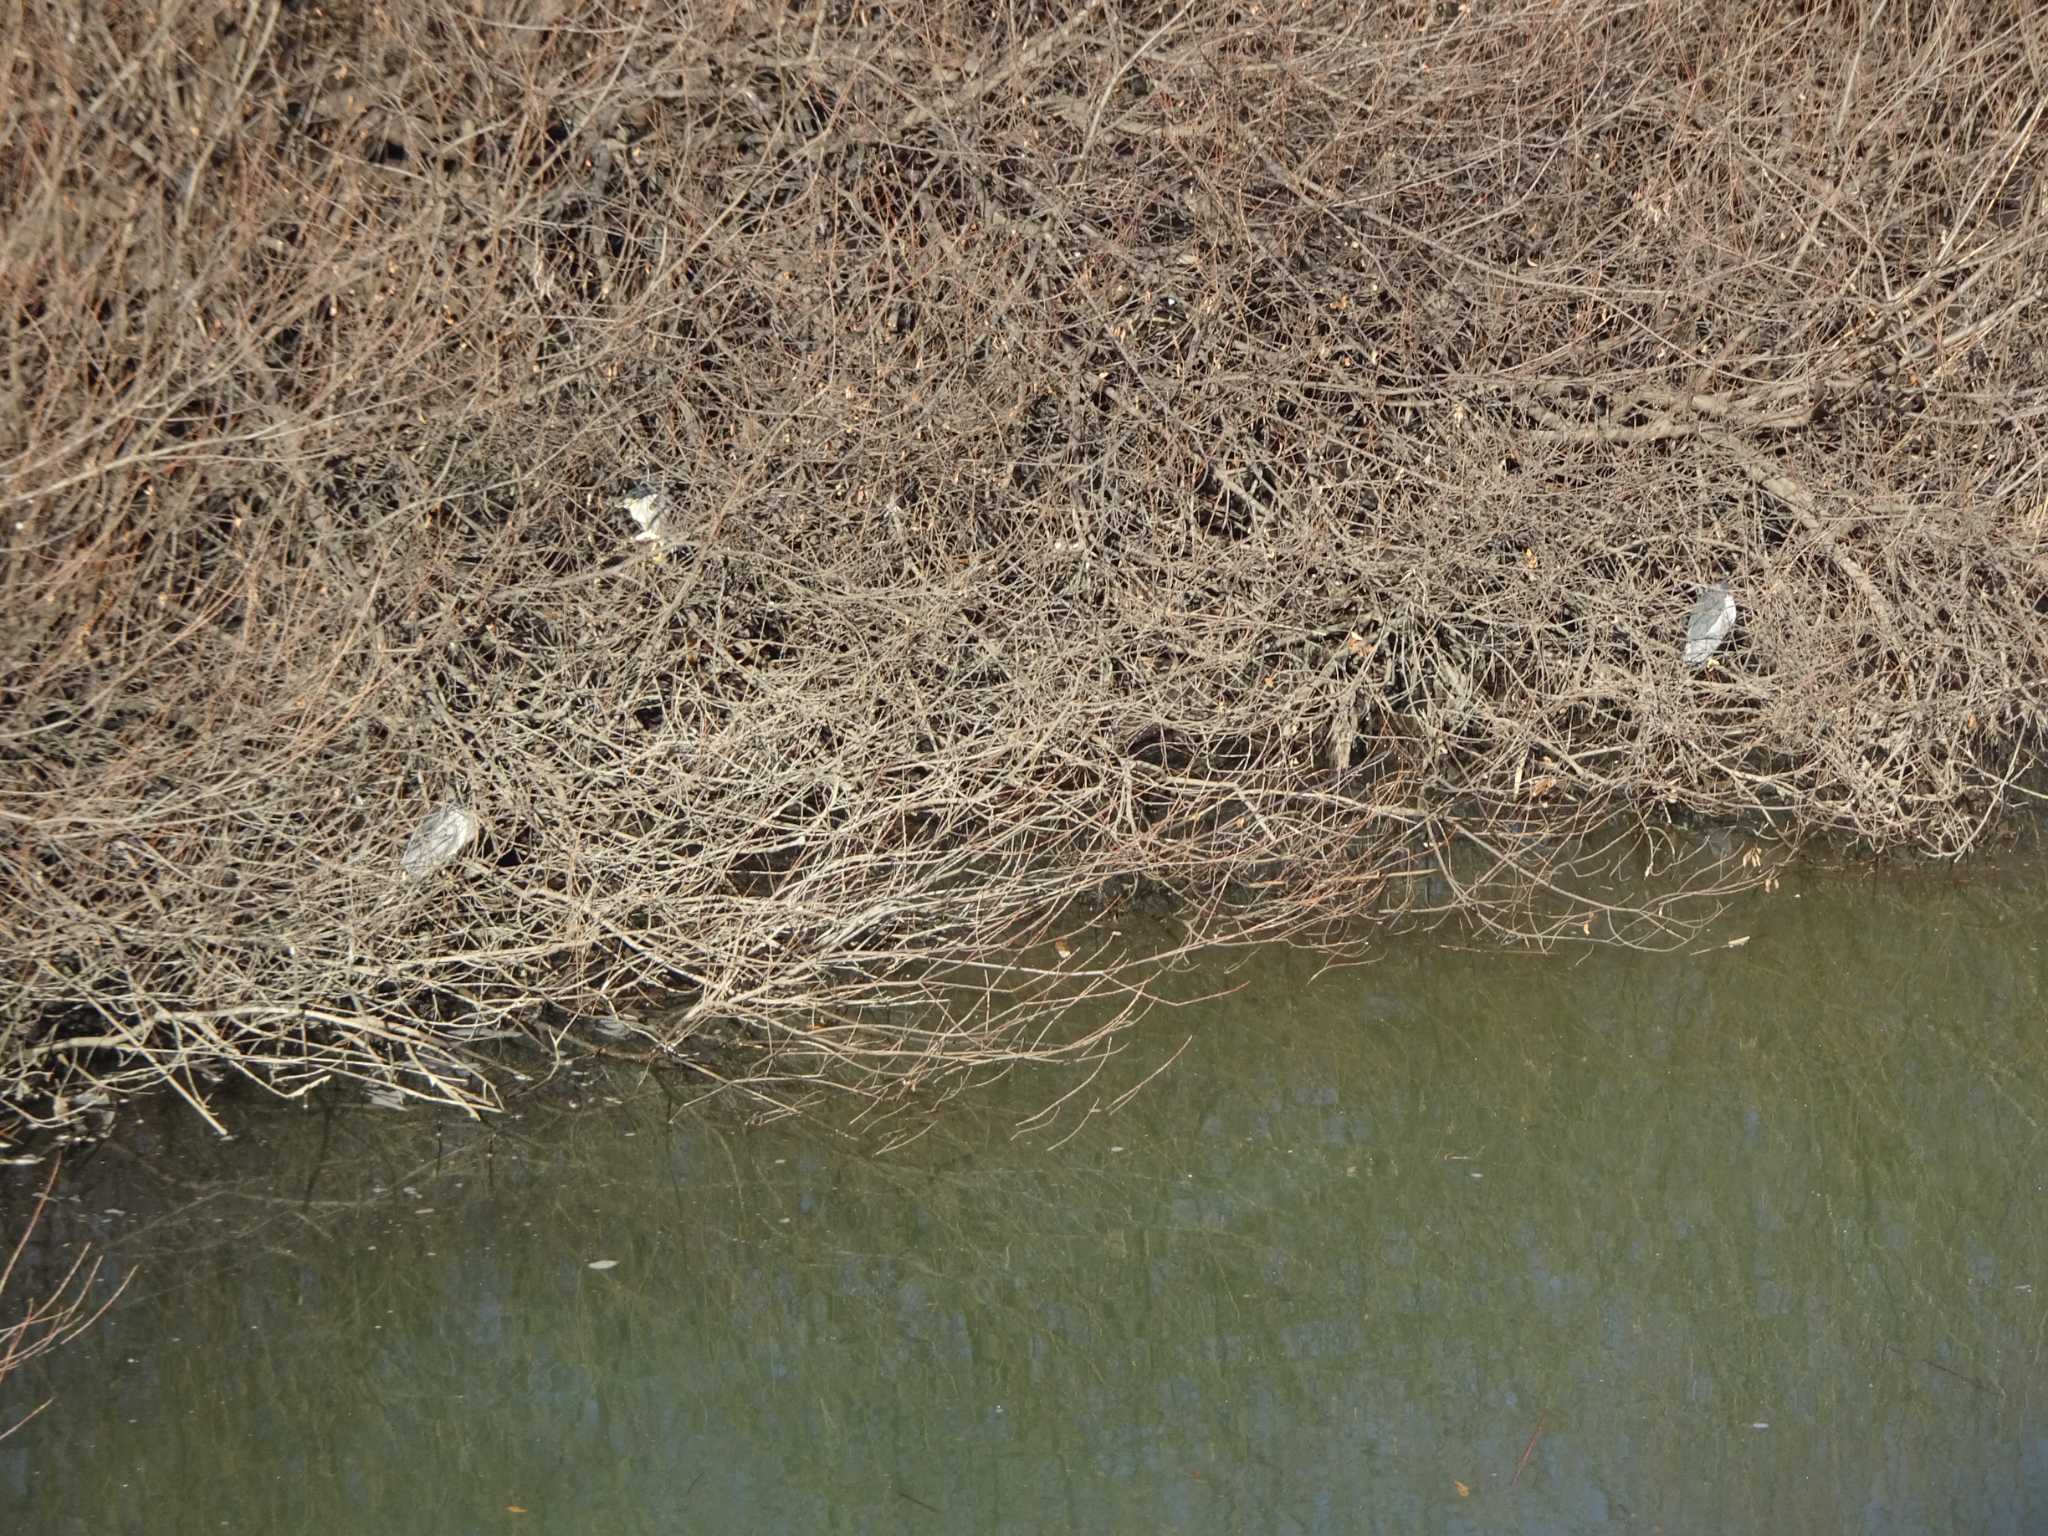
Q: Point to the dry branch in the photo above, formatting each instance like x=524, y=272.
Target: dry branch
x=50, y=1320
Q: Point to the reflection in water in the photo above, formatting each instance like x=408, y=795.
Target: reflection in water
x=1738, y=1240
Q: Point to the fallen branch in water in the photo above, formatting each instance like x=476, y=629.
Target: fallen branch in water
x=1529, y=1449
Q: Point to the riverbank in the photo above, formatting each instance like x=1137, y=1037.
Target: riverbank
x=1267, y=470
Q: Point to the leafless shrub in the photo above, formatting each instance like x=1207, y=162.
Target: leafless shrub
x=1267, y=460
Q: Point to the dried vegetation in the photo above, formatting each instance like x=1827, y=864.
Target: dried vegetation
x=1258, y=458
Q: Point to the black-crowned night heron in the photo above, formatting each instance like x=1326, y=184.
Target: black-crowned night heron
x=1713, y=616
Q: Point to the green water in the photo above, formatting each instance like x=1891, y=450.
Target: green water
x=1746, y=1239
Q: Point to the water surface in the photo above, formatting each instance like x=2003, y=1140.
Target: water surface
x=1742, y=1239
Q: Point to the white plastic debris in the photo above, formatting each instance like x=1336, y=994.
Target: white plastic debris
x=648, y=506
x=1713, y=616
x=447, y=830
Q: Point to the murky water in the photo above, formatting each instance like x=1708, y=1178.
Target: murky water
x=1748, y=1239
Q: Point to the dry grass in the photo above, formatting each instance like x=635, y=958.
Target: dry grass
x=1264, y=460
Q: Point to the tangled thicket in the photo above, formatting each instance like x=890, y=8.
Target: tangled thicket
x=1260, y=454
